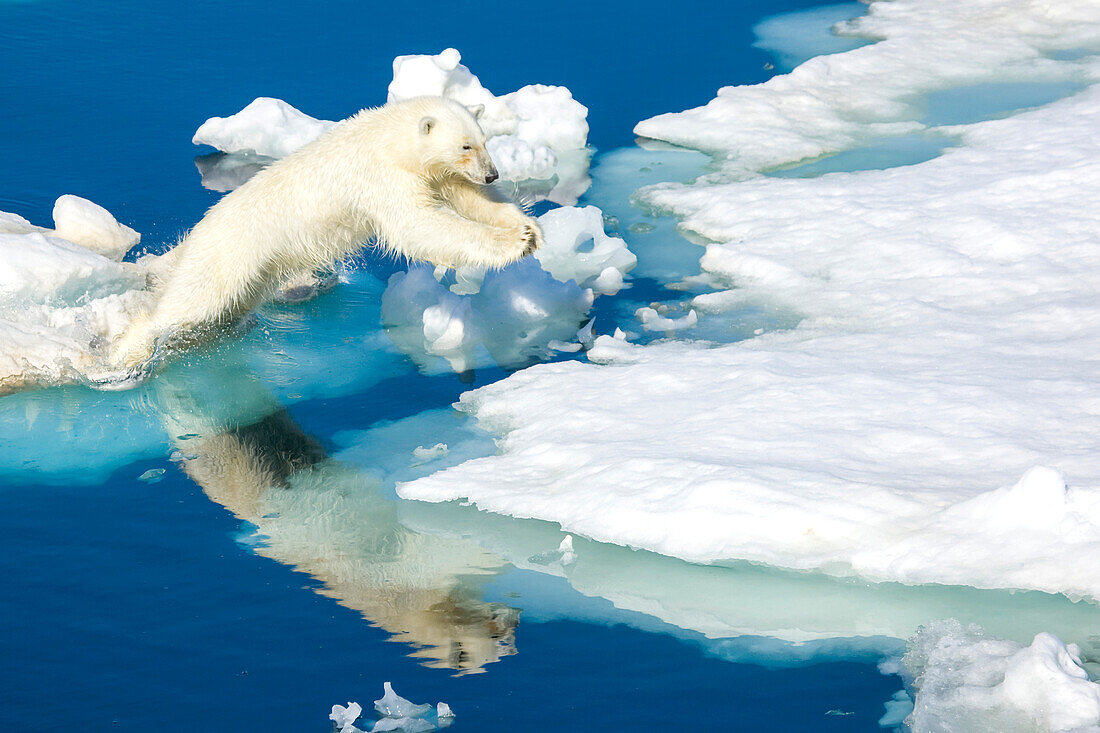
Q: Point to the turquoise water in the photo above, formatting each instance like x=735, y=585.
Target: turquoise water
x=263, y=570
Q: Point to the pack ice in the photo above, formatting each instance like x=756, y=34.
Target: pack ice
x=933, y=418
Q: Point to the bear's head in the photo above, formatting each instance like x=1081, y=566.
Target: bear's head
x=451, y=142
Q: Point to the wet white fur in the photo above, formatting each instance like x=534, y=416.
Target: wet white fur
x=401, y=174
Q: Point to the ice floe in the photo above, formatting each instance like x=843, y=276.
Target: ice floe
x=835, y=102
x=267, y=127
x=64, y=293
x=941, y=384
x=537, y=135
x=968, y=681
x=514, y=315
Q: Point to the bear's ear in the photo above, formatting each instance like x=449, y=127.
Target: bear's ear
x=426, y=125
x=477, y=110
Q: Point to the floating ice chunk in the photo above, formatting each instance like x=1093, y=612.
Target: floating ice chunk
x=654, y=321
x=568, y=348
x=898, y=709
x=512, y=314
x=442, y=75
x=965, y=680
x=584, y=335
x=568, y=556
x=423, y=455
x=548, y=115
x=392, y=705
x=443, y=710
x=578, y=249
x=268, y=127
x=519, y=160
x=344, y=717
x=152, y=476
x=90, y=225
x=402, y=725
x=61, y=302
x=564, y=555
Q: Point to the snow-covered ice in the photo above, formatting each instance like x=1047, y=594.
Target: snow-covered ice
x=835, y=102
x=537, y=135
x=64, y=293
x=91, y=226
x=940, y=385
x=968, y=681
x=268, y=127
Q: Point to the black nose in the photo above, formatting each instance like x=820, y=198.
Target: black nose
x=491, y=176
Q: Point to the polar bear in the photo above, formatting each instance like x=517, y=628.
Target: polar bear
x=412, y=175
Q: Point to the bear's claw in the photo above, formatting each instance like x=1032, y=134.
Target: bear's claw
x=530, y=240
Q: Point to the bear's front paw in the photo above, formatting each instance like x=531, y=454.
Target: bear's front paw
x=532, y=238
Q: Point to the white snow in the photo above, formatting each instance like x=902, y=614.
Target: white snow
x=968, y=681
x=942, y=384
x=537, y=135
x=268, y=127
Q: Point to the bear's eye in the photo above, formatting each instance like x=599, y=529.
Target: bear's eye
x=467, y=147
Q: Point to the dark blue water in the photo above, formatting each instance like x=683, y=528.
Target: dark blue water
x=194, y=603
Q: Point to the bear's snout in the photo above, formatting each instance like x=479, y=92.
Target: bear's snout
x=492, y=175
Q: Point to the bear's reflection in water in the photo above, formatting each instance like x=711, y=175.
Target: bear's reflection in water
x=333, y=522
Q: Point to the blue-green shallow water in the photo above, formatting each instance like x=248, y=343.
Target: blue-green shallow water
x=268, y=579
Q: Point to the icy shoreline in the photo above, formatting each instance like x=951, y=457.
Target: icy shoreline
x=922, y=423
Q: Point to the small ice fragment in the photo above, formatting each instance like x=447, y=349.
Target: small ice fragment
x=568, y=557
x=443, y=710
x=403, y=725
x=343, y=717
x=652, y=320
x=555, y=345
x=840, y=713
x=392, y=705
x=897, y=710
x=620, y=334
x=564, y=554
x=423, y=455
x=585, y=334
x=179, y=456
x=152, y=475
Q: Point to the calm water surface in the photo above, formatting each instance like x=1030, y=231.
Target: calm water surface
x=263, y=570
